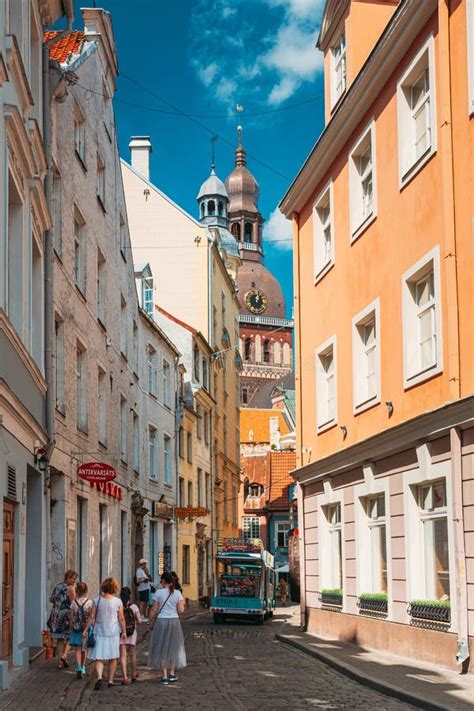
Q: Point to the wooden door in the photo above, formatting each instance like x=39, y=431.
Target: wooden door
x=7, y=582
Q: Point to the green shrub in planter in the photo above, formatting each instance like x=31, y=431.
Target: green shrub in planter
x=432, y=610
x=331, y=596
x=373, y=602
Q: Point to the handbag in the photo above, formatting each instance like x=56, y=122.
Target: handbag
x=157, y=614
x=91, y=640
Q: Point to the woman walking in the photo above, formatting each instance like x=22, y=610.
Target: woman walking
x=109, y=630
x=128, y=648
x=167, y=650
x=61, y=597
x=78, y=618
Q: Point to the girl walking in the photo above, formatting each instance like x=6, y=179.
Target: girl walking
x=167, y=650
x=61, y=597
x=128, y=648
x=109, y=630
x=79, y=614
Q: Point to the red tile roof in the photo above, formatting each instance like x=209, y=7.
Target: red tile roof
x=258, y=422
x=161, y=310
x=61, y=50
x=281, y=464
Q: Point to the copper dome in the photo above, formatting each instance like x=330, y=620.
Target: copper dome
x=242, y=188
x=253, y=275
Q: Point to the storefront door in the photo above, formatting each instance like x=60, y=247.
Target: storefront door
x=7, y=583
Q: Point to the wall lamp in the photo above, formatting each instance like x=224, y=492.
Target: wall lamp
x=390, y=407
x=343, y=429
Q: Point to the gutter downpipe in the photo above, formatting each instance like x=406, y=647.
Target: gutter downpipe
x=299, y=425
x=453, y=341
x=213, y=416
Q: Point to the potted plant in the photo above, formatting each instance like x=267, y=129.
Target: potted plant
x=373, y=602
x=331, y=596
x=431, y=610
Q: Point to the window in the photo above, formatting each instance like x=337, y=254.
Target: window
x=226, y=502
x=166, y=384
x=208, y=491
x=416, y=113
x=366, y=357
x=123, y=429
x=245, y=396
x=153, y=550
x=152, y=454
x=108, y=114
x=123, y=237
x=136, y=443
x=234, y=506
x=79, y=133
x=223, y=310
x=60, y=360
x=181, y=499
x=205, y=373
x=15, y=248
x=100, y=187
x=199, y=421
x=281, y=534
x=123, y=327
x=36, y=300
x=135, y=347
x=102, y=406
x=326, y=388
x=82, y=539
x=189, y=446
x=190, y=494
x=123, y=545
x=199, y=488
x=57, y=213
x=334, y=526
x=250, y=527
x=248, y=232
x=167, y=459
x=103, y=542
x=375, y=507
x=338, y=69
x=224, y=433
x=434, y=519
x=147, y=295
x=206, y=427
x=362, y=195
x=323, y=246
x=422, y=339
x=196, y=364
x=214, y=317
x=82, y=405
x=152, y=368
x=101, y=286
x=186, y=565
x=181, y=443
x=79, y=253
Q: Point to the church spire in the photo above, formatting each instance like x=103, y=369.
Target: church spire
x=240, y=155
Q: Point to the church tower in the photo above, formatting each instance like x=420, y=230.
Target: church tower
x=266, y=335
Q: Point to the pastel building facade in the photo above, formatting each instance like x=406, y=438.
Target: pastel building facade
x=382, y=218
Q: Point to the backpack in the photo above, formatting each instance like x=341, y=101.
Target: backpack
x=80, y=617
x=129, y=621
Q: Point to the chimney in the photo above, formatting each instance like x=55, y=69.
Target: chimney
x=140, y=149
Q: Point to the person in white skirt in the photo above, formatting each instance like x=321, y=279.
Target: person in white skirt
x=166, y=651
x=108, y=621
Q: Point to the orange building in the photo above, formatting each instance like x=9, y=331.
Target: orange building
x=382, y=210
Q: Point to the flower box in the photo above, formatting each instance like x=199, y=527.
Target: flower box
x=376, y=603
x=430, y=610
x=331, y=597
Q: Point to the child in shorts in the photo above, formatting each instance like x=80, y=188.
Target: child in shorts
x=78, y=617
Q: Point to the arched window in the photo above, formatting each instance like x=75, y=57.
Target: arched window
x=220, y=208
x=235, y=229
x=286, y=354
x=277, y=353
x=245, y=396
x=248, y=232
x=211, y=207
x=202, y=209
x=258, y=349
x=266, y=351
x=247, y=349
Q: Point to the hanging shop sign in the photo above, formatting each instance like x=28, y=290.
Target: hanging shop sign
x=162, y=510
x=109, y=488
x=240, y=545
x=96, y=472
x=190, y=512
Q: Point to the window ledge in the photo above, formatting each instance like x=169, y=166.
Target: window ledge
x=81, y=293
x=101, y=323
x=421, y=376
x=326, y=426
x=100, y=201
x=322, y=272
x=81, y=161
x=359, y=231
x=366, y=405
x=338, y=101
x=102, y=444
x=153, y=480
x=415, y=168
x=122, y=252
x=61, y=410
x=82, y=431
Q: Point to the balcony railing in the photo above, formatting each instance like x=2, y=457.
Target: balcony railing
x=267, y=320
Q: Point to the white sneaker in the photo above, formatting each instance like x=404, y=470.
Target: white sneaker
x=144, y=619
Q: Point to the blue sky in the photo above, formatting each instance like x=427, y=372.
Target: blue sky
x=204, y=57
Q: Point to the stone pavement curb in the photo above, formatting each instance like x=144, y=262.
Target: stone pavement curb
x=383, y=686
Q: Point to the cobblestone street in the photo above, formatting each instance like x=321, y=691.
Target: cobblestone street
x=233, y=666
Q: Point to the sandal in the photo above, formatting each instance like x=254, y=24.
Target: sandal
x=135, y=677
x=125, y=681
x=63, y=663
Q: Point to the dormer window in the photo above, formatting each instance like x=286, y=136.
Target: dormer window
x=147, y=294
x=211, y=207
x=338, y=69
x=220, y=208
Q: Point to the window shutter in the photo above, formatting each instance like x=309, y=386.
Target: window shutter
x=11, y=483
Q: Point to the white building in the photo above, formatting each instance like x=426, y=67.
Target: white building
x=116, y=371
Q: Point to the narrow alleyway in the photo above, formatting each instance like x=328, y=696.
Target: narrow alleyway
x=232, y=666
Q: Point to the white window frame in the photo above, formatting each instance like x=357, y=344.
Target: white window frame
x=60, y=364
x=251, y=527
x=321, y=259
x=470, y=55
x=102, y=406
x=323, y=419
x=82, y=392
x=166, y=383
x=362, y=399
x=123, y=327
x=136, y=443
x=123, y=429
x=331, y=528
x=56, y=210
x=79, y=133
x=101, y=287
x=282, y=527
x=152, y=453
x=152, y=359
x=334, y=63
x=414, y=373
x=100, y=187
x=167, y=460
x=360, y=217
x=148, y=301
x=409, y=164
x=80, y=254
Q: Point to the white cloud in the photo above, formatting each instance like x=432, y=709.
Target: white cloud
x=225, y=90
x=278, y=231
x=207, y=74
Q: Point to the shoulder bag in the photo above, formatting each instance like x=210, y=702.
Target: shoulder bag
x=90, y=632
x=157, y=614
